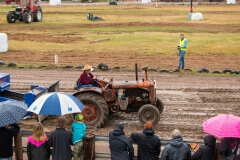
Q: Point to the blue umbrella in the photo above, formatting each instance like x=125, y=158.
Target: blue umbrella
x=11, y=112
x=56, y=103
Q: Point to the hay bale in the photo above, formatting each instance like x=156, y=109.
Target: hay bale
x=195, y=16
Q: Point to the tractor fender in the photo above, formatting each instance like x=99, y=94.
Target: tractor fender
x=89, y=89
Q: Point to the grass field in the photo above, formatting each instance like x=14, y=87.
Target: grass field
x=135, y=30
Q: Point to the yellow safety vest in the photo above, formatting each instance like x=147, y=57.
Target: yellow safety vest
x=181, y=43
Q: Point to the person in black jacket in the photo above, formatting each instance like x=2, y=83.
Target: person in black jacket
x=120, y=145
x=37, y=146
x=206, y=152
x=176, y=149
x=228, y=145
x=149, y=145
x=61, y=141
x=6, y=140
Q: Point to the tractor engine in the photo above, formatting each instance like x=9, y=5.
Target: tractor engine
x=130, y=100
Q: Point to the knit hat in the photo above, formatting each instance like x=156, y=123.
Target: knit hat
x=79, y=117
x=148, y=125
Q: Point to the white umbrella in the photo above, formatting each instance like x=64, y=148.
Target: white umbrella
x=56, y=103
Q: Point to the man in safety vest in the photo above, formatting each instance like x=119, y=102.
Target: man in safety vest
x=182, y=47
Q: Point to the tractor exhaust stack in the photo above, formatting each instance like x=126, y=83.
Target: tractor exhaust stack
x=136, y=71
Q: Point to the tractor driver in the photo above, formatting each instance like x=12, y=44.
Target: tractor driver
x=87, y=79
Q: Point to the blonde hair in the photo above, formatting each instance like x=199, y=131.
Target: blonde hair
x=38, y=132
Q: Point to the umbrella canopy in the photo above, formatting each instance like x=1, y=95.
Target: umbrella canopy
x=223, y=125
x=56, y=103
x=11, y=112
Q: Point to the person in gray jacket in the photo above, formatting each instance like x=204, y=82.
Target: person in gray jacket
x=120, y=145
x=176, y=149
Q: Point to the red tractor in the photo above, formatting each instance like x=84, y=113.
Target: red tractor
x=120, y=96
x=27, y=11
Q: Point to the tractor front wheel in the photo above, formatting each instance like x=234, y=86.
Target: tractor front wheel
x=95, y=112
x=11, y=18
x=150, y=113
x=38, y=14
x=28, y=17
x=159, y=105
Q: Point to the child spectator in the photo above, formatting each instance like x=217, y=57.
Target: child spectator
x=37, y=146
x=79, y=130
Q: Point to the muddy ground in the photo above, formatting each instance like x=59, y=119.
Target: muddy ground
x=188, y=99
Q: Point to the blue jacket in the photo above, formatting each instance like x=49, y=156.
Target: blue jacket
x=79, y=130
x=176, y=150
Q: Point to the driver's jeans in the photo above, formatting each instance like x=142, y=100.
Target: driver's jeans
x=94, y=84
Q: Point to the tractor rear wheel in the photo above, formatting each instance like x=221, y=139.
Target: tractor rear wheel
x=38, y=14
x=96, y=111
x=28, y=17
x=150, y=113
x=11, y=18
x=159, y=105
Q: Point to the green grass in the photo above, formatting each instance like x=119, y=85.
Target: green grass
x=216, y=35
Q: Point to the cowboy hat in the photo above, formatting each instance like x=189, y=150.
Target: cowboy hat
x=87, y=67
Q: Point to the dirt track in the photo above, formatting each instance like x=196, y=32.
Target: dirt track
x=188, y=99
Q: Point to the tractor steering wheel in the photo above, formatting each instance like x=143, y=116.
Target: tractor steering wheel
x=108, y=84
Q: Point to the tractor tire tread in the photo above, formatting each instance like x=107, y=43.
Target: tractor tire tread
x=159, y=105
x=151, y=107
x=35, y=18
x=100, y=101
x=9, y=17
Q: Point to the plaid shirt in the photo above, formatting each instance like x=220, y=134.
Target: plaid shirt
x=85, y=78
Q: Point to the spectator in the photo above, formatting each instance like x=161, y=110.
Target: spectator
x=37, y=146
x=79, y=130
x=87, y=79
x=176, y=149
x=149, y=145
x=61, y=141
x=6, y=141
x=120, y=145
x=206, y=152
x=230, y=146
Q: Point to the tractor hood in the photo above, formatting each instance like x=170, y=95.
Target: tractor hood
x=132, y=84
